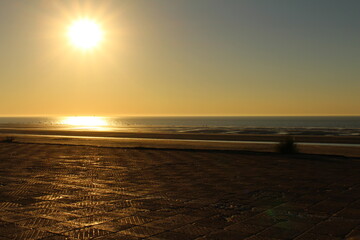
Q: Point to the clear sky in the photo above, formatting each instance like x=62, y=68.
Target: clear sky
x=185, y=57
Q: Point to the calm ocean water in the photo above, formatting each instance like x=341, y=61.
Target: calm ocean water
x=306, y=125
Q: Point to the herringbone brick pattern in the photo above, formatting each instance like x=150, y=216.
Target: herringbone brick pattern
x=80, y=192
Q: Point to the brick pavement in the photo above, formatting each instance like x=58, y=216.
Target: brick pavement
x=55, y=192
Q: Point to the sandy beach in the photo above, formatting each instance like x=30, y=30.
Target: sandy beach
x=81, y=188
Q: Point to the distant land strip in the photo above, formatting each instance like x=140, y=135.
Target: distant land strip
x=190, y=136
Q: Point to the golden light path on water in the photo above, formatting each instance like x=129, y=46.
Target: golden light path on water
x=86, y=122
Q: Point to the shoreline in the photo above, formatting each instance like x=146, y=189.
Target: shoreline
x=179, y=142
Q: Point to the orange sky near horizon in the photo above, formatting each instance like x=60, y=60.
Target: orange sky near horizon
x=181, y=58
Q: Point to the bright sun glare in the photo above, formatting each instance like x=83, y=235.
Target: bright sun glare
x=87, y=122
x=85, y=33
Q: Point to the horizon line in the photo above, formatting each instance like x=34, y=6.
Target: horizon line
x=210, y=115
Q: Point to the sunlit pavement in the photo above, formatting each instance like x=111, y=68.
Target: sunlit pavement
x=77, y=192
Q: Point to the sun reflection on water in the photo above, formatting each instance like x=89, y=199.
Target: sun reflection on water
x=86, y=122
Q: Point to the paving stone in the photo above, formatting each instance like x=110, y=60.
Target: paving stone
x=91, y=220
x=172, y=222
x=169, y=235
x=10, y=229
x=245, y=228
x=79, y=192
x=280, y=233
x=355, y=233
x=258, y=237
x=44, y=212
x=117, y=236
x=335, y=227
x=312, y=236
x=263, y=220
x=216, y=222
x=194, y=230
x=229, y=235
x=86, y=233
x=355, y=204
x=327, y=207
x=134, y=220
x=350, y=213
x=30, y=234
x=294, y=225
x=201, y=212
x=141, y=231
x=241, y=217
x=8, y=205
x=114, y=226
x=61, y=216
x=87, y=211
x=60, y=227
x=36, y=222
x=56, y=237
x=159, y=214
x=13, y=217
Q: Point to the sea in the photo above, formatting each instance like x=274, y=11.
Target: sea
x=309, y=125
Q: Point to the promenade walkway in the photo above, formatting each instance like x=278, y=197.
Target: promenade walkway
x=57, y=192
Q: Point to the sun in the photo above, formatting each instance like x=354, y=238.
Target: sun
x=85, y=122
x=85, y=33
